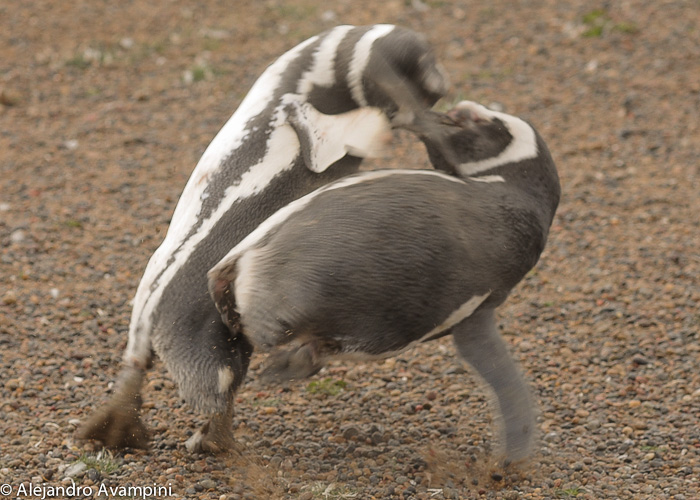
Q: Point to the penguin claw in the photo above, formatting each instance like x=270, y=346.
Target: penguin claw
x=116, y=427
x=213, y=443
x=215, y=437
x=118, y=423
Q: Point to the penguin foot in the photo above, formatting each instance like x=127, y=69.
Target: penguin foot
x=299, y=361
x=215, y=437
x=291, y=364
x=116, y=426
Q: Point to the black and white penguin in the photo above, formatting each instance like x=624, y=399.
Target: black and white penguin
x=308, y=120
x=376, y=262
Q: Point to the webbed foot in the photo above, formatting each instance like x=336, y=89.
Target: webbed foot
x=215, y=437
x=118, y=424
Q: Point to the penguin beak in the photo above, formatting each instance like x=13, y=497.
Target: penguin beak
x=433, y=128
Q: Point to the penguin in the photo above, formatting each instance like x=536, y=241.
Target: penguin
x=308, y=120
x=374, y=263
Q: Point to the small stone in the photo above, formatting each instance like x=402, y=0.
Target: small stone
x=93, y=475
x=13, y=384
x=497, y=476
x=455, y=370
x=592, y=424
x=634, y=403
x=126, y=43
x=8, y=97
x=525, y=346
x=551, y=437
x=208, y=484
x=76, y=470
x=9, y=298
x=329, y=16
x=640, y=425
x=351, y=432
x=18, y=236
x=376, y=438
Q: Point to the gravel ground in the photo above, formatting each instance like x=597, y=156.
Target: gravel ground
x=106, y=107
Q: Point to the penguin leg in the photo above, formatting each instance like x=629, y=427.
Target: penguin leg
x=216, y=436
x=300, y=361
x=118, y=424
x=479, y=343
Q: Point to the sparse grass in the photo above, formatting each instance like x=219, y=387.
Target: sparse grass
x=595, y=21
x=73, y=223
x=327, y=386
x=626, y=27
x=211, y=44
x=332, y=491
x=199, y=73
x=100, y=54
x=103, y=462
x=569, y=492
x=594, y=16
x=598, y=22
x=78, y=61
x=267, y=402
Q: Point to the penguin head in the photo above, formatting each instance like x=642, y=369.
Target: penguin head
x=470, y=138
x=403, y=73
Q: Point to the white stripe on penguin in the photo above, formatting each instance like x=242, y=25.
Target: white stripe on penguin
x=360, y=58
x=522, y=147
x=322, y=71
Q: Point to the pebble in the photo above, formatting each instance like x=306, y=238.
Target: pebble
x=208, y=484
x=75, y=470
x=351, y=432
x=9, y=298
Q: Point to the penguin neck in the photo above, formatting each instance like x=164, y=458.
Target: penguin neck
x=533, y=176
x=525, y=167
